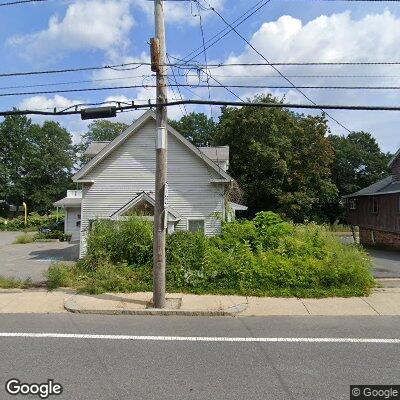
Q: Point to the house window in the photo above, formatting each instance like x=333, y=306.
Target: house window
x=374, y=205
x=195, y=225
x=352, y=204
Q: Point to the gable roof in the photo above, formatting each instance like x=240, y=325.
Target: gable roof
x=217, y=154
x=132, y=129
x=95, y=147
x=394, y=158
x=137, y=200
x=384, y=186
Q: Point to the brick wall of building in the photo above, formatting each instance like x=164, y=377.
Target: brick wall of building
x=369, y=237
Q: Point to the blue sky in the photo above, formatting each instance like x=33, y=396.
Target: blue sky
x=62, y=34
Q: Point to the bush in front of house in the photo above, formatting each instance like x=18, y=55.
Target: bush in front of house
x=262, y=257
x=129, y=241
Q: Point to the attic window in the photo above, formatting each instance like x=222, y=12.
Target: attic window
x=143, y=209
x=352, y=204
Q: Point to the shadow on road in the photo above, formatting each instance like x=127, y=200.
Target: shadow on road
x=70, y=253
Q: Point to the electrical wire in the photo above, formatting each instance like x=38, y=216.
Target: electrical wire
x=276, y=69
x=215, y=102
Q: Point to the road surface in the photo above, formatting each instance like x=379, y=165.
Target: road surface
x=31, y=260
x=179, y=366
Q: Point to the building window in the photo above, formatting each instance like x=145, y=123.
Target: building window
x=195, y=225
x=352, y=204
x=374, y=205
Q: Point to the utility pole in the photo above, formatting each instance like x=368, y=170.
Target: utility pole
x=158, y=58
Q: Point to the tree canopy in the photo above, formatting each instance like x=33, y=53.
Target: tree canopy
x=196, y=127
x=102, y=130
x=280, y=159
x=358, y=162
x=36, y=162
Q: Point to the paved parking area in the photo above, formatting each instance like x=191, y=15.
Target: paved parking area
x=31, y=260
x=386, y=263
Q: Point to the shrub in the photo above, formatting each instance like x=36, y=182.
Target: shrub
x=34, y=220
x=265, y=256
x=23, y=239
x=59, y=275
x=129, y=241
x=61, y=236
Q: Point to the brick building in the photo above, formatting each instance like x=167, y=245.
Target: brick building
x=376, y=210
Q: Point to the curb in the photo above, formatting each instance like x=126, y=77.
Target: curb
x=71, y=306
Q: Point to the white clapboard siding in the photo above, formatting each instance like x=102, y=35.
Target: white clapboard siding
x=130, y=169
x=71, y=222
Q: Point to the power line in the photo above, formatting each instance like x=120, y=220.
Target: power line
x=183, y=110
x=206, y=102
x=218, y=86
x=276, y=69
x=13, y=3
x=184, y=65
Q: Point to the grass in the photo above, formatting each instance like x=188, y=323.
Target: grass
x=12, y=283
x=125, y=279
x=24, y=239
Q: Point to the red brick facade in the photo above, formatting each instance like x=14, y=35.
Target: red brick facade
x=373, y=237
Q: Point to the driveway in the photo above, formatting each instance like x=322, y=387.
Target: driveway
x=31, y=260
x=386, y=263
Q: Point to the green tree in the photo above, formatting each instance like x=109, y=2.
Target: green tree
x=197, y=128
x=102, y=130
x=280, y=159
x=358, y=163
x=35, y=162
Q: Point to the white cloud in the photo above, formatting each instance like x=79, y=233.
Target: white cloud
x=86, y=25
x=73, y=123
x=334, y=38
x=46, y=103
x=181, y=12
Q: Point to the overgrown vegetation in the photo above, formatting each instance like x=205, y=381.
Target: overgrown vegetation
x=262, y=257
x=24, y=239
x=12, y=283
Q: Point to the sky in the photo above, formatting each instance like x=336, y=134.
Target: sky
x=57, y=34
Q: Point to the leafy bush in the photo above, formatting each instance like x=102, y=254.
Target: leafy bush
x=61, y=236
x=59, y=275
x=265, y=256
x=34, y=220
x=129, y=241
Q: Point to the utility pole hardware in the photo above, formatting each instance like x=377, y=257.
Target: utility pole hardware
x=158, y=57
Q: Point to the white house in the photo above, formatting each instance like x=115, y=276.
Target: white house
x=120, y=176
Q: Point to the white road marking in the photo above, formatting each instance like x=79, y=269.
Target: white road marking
x=199, y=338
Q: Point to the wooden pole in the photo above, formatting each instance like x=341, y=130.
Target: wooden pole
x=158, y=50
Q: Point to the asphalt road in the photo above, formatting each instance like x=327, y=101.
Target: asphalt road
x=31, y=260
x=100, y=368
x=386, y=263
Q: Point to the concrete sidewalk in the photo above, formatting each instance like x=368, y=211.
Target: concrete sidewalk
x=385, y=301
